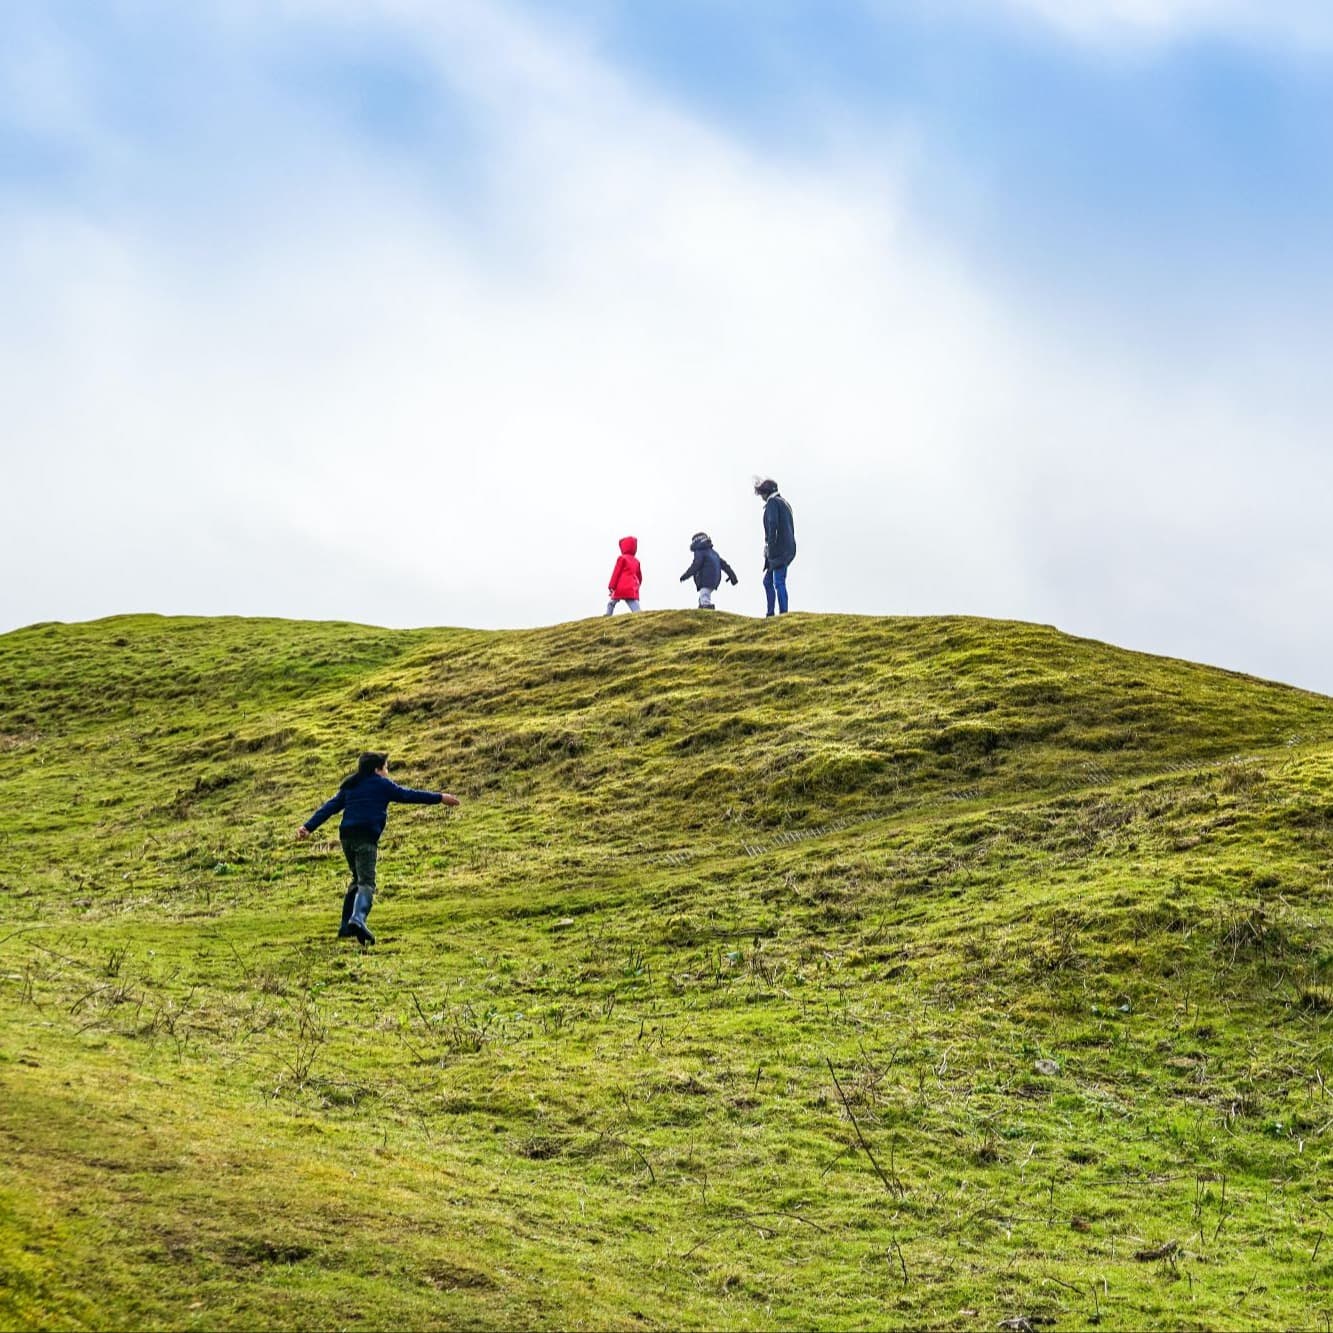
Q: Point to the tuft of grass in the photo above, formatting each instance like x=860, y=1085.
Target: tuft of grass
x=827, y=971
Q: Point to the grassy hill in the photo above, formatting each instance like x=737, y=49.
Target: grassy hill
x=830, y=972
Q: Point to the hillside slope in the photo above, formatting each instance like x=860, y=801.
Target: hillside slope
x=830, y=971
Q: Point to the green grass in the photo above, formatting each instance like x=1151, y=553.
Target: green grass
x=1054, y=914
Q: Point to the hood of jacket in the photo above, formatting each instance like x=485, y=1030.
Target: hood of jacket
x=701, y=541
x=629, y=546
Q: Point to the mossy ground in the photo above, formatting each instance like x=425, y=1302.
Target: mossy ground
x=731, y=906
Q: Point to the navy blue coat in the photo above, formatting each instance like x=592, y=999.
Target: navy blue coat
x=779, y=533
x=708, y=567
x=366, y=805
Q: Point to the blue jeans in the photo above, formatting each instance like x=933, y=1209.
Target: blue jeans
x=775, y=581
x=361, y=848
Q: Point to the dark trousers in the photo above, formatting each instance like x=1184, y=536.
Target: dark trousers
x=361, y=848
x=775, y=582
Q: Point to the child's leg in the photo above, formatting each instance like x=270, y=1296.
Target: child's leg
x=366, y=854
x=632, y=603
x=349, y=898
x=705, y=599
x=611, y=607
x=780, y=583
x=768, y=589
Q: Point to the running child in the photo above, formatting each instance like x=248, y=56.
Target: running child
x=364, y=798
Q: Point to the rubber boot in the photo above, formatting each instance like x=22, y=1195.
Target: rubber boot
x=356, y=923
x=349, y=900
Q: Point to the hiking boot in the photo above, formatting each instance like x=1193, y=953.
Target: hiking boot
x=361, y=931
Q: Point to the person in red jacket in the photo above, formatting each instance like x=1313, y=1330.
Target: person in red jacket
x=625, y=577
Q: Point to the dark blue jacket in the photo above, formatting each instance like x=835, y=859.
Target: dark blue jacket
x=708, y=567
x=366, y=806
x=779, y=533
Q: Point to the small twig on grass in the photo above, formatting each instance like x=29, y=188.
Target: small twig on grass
x=848, y=1148
x=1060, y=1282
x=652, y=1175
x=417, y=1053
x=767, y=1232
x=1221, y=1211
x=795, y=1217
x=74, y=962
x=699, y=1244
x=901, y=1260
x=430, y=1027
x=894, y=1187
x=249, y=977
x=1167, y=1251
x=87, y=995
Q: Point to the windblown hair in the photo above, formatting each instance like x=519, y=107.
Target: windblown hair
x=766, y=487
x=365, y=766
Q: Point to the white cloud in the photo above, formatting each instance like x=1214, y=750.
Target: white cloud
x=1300, y=22
x=350, y=402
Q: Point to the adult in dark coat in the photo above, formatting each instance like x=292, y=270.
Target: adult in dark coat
x=779, y=543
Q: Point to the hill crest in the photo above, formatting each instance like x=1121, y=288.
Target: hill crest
x=827, y=971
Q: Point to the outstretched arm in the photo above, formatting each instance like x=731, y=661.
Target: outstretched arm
x=330, y=807
x=414, y=796
x=728, y=571
x=693, y=569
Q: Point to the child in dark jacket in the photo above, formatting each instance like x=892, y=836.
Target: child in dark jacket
x=707, y=570
x=364, y=798
x=626, y=577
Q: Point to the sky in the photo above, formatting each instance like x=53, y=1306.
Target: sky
x=405, y=311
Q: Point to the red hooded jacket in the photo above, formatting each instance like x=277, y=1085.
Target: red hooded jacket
x=626, y=576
